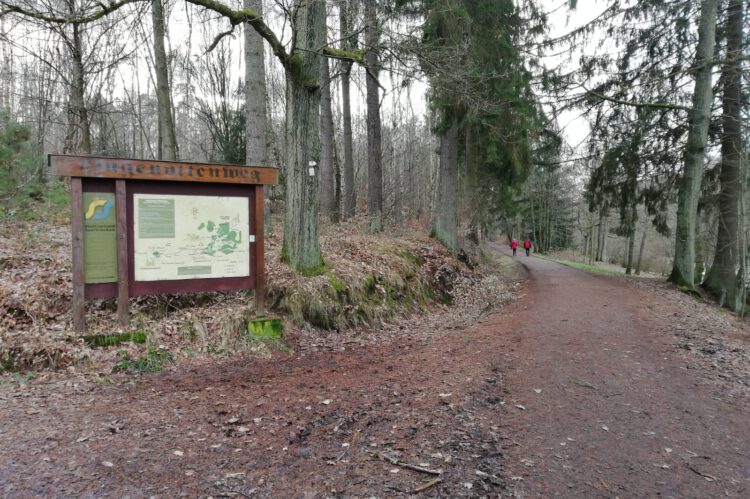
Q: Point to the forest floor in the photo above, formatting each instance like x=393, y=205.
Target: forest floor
x=588, y=385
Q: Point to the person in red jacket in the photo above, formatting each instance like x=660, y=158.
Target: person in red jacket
x=514, y=246
x=527, y=245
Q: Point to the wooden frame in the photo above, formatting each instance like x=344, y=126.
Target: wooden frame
x=139, y=169
x=125, y=178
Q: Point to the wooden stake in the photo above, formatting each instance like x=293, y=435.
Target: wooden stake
x=121, y=227
x=78, y=305
x=260, y=266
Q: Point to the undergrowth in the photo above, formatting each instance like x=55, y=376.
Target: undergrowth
x=152, y=361
x=366, y=279
x=340, y=300
x=585, y=267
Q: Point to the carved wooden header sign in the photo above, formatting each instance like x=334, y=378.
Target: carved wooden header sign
x=148, y=227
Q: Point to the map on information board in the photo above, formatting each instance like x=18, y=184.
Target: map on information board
x=190, y=237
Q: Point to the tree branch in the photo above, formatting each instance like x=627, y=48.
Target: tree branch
x=9, y=8
x=218, y=38
x=236, y=17
x=356, y=55
x=650, y=105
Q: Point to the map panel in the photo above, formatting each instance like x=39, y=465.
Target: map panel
x=190, y=237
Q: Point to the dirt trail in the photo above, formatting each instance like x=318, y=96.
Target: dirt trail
x=618, y=411
x=570, y=391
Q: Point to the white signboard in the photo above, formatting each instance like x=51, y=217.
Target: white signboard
x=190, y=237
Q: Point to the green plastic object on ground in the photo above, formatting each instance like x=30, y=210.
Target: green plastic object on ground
x=265, y=328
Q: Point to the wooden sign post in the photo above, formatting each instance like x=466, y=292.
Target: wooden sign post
x=148, y=227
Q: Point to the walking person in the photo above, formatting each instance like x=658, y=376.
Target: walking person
x=527, y=246
x=514, y=245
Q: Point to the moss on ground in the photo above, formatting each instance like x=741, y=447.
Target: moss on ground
x=107, y=340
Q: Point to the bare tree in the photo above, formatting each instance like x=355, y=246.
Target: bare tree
x=347, y=13
x=255, y=92
x=374, y=146
x=167, y=138
x=327, y=187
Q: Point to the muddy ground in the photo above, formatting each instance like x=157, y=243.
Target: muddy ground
x=587, y=386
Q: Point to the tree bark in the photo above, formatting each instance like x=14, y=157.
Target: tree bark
x=640, y=251
x=740, y=292
x=167, y=138
x=599, y=236
x=585, y=245
x=345, y=21
x=631, y=252
x=446, y=223
x=255, y=92
x=256, y=150
x=683, y=271
x=721, y=278
x=603, y=236
x=336, y=214
x=78, y=93
x=326, y=142
x=374, y=143
x=301, y=247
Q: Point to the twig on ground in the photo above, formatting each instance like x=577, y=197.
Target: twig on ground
x=427, y=485
x=708, y=477
x=403, y=464
x=351, y=444
x=584, y=384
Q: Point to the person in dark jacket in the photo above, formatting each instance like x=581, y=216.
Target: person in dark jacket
x=527, y=245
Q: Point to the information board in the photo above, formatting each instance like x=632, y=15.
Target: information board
x=99, y=238
x=187, y=237
x=147, y=227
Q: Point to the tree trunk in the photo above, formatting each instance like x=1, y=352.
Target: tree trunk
x=345, y=20
x=78, y=93
x=446, y=223
x=255, y=92
x=374, y=145
x=167, y=137
x=602, y=243
x=721, y=278
x=640, y=252
x=46, y=87
x=256, y=152
x=690, y=183
x=585, y=245
x=631, y=251
x=301, y=247
x=336, y=213
x=326, y=142
x=740, y=291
